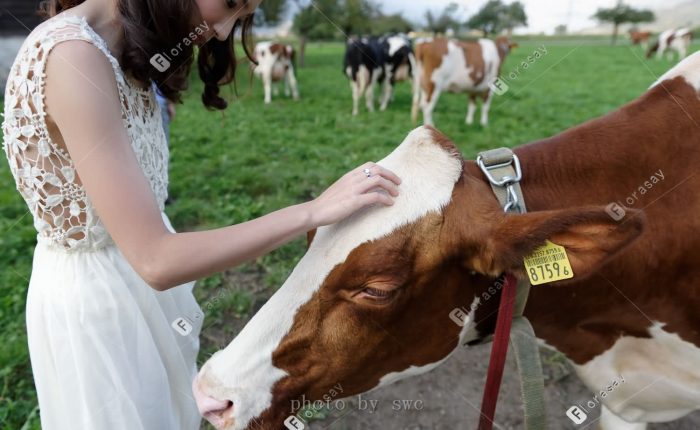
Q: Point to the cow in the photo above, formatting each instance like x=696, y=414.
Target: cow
x=458, y=66
x=370, y=301
x=398, y=63
x=672, y=40
x=371, y=61
x=362, y=66
x=276, y=62
x=640, y=38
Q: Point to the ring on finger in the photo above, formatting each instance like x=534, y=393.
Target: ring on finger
x=367, y=172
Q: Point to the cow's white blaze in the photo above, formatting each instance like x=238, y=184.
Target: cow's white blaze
x=243, y=372
x=661, y=373
x=689, y=68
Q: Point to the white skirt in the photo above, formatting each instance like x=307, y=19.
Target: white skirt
x=103, y=347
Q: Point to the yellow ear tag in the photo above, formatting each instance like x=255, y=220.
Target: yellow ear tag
x=548, y=263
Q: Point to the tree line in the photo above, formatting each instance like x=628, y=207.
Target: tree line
x=338, y=19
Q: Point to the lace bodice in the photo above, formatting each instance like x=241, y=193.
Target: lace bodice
x=44, y=172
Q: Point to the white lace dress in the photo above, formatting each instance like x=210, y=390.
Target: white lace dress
x=103, y=347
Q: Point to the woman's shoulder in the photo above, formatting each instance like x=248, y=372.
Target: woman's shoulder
x=64, y=27
x=68, y=34
x=60, y=27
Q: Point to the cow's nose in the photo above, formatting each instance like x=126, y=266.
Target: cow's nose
x=217, y=412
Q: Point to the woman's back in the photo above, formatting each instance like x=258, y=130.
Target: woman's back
x=43, y=169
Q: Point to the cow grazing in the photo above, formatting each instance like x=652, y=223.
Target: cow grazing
x=276, y=62
x=369, y=302
x=458, y=66
x=672, y=40
x=640, y=38
x=371, y=61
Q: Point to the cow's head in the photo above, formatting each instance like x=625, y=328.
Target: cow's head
x=505, y=45
x=370, y=301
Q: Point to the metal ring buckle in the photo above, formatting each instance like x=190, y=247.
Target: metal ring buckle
x=512, y=202
x=507, y=179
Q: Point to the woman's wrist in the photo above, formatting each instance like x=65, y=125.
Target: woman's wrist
x=305, y=213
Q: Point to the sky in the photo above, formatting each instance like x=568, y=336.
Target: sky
x=543, y=15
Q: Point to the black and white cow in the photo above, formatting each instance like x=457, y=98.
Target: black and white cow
x=369, y=61
x=399, y=64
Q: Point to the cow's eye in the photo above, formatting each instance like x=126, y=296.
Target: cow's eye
x=378, y=295
x=376, y=292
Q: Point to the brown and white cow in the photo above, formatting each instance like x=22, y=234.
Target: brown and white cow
x=458, y=66
x=672, y=40
x=640, y=38
x=276, y=63
x=369, y=302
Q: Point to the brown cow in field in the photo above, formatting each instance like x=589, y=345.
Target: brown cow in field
x=640, y=38
x=370, y=301
x=458, y=66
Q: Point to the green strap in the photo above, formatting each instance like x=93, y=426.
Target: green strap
x=527, y=356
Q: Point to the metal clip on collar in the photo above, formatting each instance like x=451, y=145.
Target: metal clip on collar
x=502, y=168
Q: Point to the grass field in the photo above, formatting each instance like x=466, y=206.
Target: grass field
x=253, y=159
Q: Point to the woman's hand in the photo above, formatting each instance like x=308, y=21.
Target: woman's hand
x=354, y=191
x=171, y=110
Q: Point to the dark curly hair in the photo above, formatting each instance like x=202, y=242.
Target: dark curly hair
x=155, y=26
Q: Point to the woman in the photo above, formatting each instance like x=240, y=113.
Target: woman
x=112, y=323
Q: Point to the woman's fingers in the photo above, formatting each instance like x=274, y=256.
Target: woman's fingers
x=374, y=197
x=388, y=174
x=377, y=170
x=378, y=182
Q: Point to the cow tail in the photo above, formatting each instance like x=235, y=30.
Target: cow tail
x=293, y=58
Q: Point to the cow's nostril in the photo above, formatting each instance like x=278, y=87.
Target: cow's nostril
x=215, y=411
x=220, y=418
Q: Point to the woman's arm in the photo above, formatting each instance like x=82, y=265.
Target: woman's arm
x=82, y=98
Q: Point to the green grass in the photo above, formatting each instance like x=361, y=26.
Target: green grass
x=231, y=167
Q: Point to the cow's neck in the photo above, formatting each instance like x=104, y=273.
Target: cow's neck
x=607, y=160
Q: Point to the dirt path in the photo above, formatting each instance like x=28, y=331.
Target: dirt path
x=449, y=397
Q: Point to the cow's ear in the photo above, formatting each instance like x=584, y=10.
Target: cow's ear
x=310, y=237
x=589, y=235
